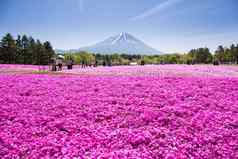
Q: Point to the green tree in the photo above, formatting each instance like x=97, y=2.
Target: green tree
x=236, y=54
x=27, y=57
x=42, y=58
x=233, y=53
x=200, y=55
x=49, y=50
x=69, y=56
x=206, y=56
x=191, y=57
x=19, y=53
x=77, y=58
x=32, y=51
x=228, y=56
x=116, y=59
x=220, y=53
x=8, y=49
x=1, y=53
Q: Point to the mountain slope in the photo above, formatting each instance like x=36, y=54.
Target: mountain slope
x=123, y=43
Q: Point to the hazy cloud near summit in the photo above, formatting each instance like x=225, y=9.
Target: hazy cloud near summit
x=160, y=7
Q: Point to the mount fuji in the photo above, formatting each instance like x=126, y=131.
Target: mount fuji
x=123, y=43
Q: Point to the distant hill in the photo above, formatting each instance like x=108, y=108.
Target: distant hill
x=122, y=43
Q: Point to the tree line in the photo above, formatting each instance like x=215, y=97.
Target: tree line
x=80, y=57
x=101, y=59
x=223, y=55
x=227, y=55
x=25, y=50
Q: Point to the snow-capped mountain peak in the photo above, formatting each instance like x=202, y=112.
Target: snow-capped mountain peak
x=123, y=43
x=123, y=37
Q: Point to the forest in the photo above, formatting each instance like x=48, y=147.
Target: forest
x=223, y=55
x=26, y=50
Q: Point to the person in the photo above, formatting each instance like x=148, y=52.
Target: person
x=53, y=65
x=70, y=64
x=60, y=65
x=83, y=64
x=215, y=62
x=142, y=62
x=96, y=63
x=54, y=68
x=104, y=63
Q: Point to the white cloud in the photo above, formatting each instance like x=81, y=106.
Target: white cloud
x=160, y=7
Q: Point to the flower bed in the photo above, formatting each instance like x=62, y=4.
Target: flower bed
x=159, y=70
x=43, y=116
x=18, y=69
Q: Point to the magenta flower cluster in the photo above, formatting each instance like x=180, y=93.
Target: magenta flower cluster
x=13, y=68
x=43, y=116
x=160, y=70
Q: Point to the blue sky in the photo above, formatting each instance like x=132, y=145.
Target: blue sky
x=167, y=25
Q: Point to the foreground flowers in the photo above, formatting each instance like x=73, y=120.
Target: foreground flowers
x=45, y=116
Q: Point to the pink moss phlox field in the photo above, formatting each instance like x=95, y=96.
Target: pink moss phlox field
x=43, y=116
x=160, y=70
x=13, y=68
